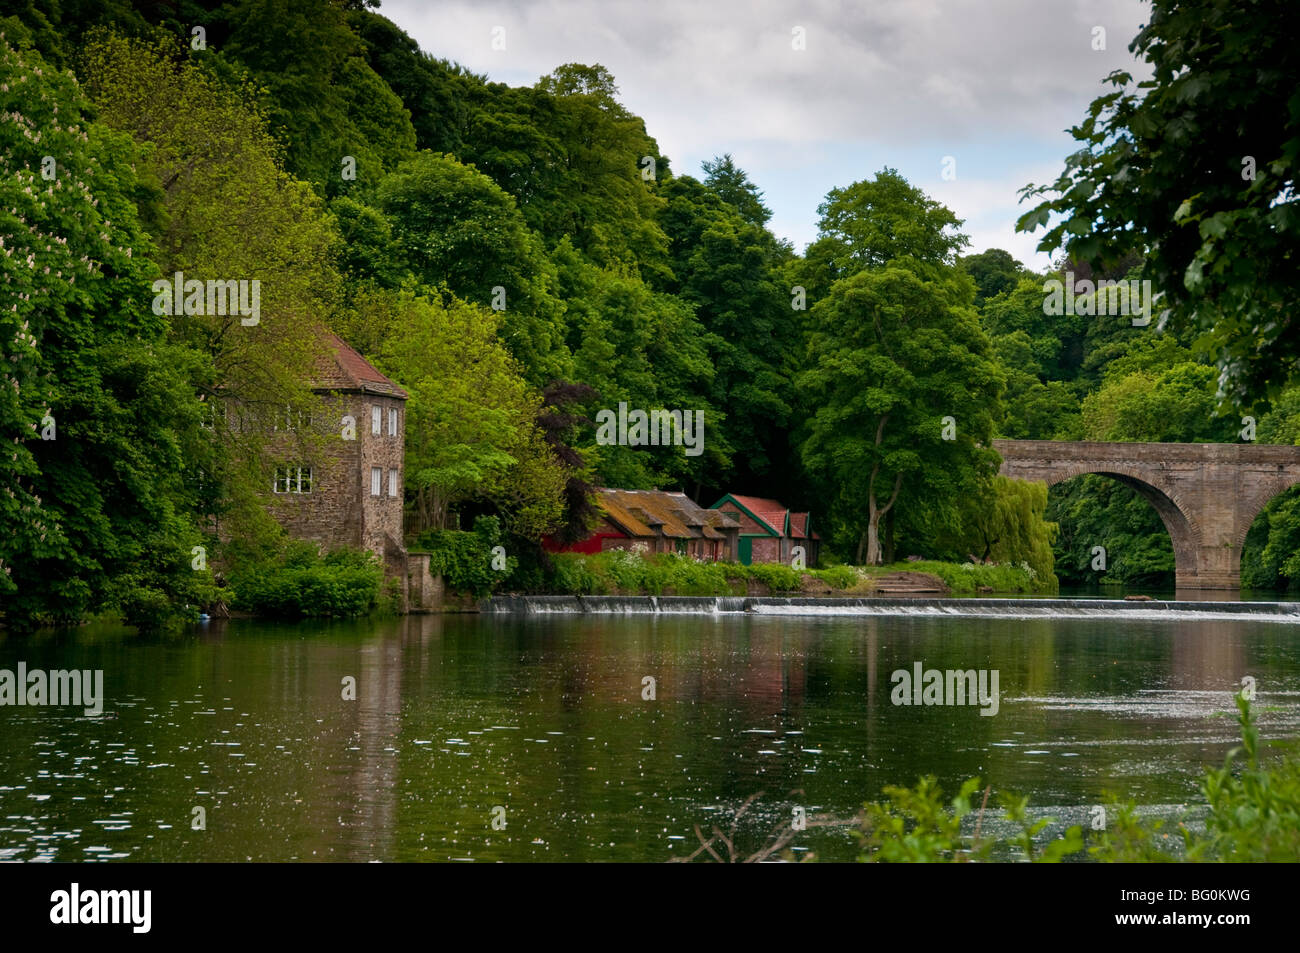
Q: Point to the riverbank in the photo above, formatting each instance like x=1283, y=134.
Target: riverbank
x=623, y=573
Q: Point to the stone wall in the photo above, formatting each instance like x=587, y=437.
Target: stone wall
x=1207, y=495
x=340, y=510
x=381, y=516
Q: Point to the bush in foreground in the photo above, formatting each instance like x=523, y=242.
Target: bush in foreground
x=299, y=582
x=1253, y=815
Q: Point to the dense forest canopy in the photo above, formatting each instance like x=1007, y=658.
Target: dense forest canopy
x=521, y=257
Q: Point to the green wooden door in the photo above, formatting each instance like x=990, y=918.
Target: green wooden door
x=746, y=550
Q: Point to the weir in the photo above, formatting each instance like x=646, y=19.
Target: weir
x=1170, y=610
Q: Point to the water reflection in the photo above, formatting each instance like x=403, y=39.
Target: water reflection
x=545, y=717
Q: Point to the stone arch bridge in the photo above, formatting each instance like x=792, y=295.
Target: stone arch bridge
x=1207, y=494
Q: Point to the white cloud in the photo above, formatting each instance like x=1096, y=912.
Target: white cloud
x=888, y=80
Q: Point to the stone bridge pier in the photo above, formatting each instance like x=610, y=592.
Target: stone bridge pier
x=1206, y=494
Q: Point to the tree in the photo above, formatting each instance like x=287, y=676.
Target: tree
x=471, y=418
x=323, y=100
x=455, y=227
x=95, y=411
x=729, y=270
x=559, y=422
x=729, y=182
x=895, y=351
x=225, y=210
x=870, y=223
x=1036, y=409
x=597, y=196
x=1197, y=168
x=1005, y=524
x=631, y=343
x=1175, y=406
x=994, y=271
x=437, y=93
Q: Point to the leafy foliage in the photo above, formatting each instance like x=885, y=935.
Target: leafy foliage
x=93, y=402
x=1221, y=233
x=299, y=582
x=464, y=559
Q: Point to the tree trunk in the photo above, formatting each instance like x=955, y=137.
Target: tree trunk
x=873, y=538
x=889, y=536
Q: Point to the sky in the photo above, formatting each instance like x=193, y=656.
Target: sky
x=970, y=100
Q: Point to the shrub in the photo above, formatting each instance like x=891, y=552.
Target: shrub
x=300, y=582
x=464, y=559
x=571, y=576
x=838, y=577
x=776, y=577
x=1253, y=815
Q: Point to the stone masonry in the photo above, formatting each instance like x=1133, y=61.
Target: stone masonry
x=355, y=496
x=1206, y=494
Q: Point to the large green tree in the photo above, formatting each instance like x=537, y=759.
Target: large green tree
x=729, y=270
x=1197, y=167
x=226, y=210
x=906, y=394
x=323, y=98
x=95, y=406
x=471, y=421
x=871, y=222
x=454, y=226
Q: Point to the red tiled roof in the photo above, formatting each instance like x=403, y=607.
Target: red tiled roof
x=341, y=368
x=774, y=515
x=769, y=511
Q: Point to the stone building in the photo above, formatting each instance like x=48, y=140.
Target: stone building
x=343, y=486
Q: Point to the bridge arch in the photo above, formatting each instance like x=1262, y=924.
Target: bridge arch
x=1251, y=512
x=1207, y=495
x=1179, y=523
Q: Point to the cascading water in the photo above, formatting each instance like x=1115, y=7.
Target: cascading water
x=808, y=606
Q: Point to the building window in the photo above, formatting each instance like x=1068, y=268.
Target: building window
x=208, y=420
x=392, y=421
x=292, y=420
x=376, y=480
x=376, y=420
x=393, y=488
x=293, y=479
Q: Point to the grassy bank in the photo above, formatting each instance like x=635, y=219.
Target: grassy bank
x=619, y=572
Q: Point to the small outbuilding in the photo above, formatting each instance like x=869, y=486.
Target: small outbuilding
x=769, y=531
x=657, y=521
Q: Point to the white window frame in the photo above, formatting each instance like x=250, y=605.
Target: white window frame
x=294, y=479
x=376, y=420
x=392, y=421
x=394, y=488
x=376, y=480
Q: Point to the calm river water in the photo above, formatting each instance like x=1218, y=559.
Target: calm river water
x=544, y=716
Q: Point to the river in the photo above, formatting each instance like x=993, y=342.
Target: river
x=533, y=738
